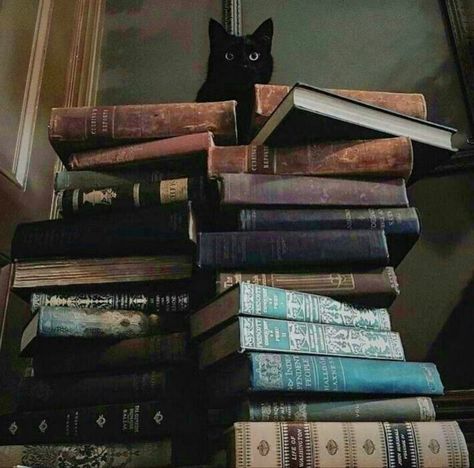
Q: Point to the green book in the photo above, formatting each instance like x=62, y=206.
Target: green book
x=265, y=301
x=284, y=336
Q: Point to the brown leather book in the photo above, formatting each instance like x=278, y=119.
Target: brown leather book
x=167, y=150
x=258, y=189
x=73, y=129
x=267, y=98
x=386, y=157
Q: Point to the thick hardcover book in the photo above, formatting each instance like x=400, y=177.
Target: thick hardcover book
x=401, y=225
x=386, y=157
x=246, y=299
x=131, y=353
x=93, y=271
x=261, y=334
x=123, y=198
x=357, y=444
x=302, y=373
x=378, y=288
x=291, y=409
x=169, y=150
x=162, y=453
x=74, y=129
x=283, y=250
x=164, y=229
x=308, y=114
x=258, y=189
x=156, y=299
x=36, y=393
x=102, y=423
x=268, y=97
x=61, y=323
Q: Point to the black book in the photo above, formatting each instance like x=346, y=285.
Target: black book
x=291, y=250
x=401, y=225
x=165, y=229
x=310, y=114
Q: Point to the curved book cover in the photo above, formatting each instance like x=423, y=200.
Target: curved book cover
x=162, y=453
x=132, y=196
x=74, y=129
x=131, y=353
x=264, y=301
x=167, y=229
x=386, y=157
x=101, y=423
x=357, y=444
x=316, y=409
x=298, y=373
x=377, y=288
x=291, y=250
x=261, y=334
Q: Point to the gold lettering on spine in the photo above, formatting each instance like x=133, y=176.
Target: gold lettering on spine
x=173, y=190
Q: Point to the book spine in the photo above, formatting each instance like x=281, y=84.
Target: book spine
x=380, y=287
x=310, y=338
x=306, y=373
x=258, y=189
x=395, y=221
x=128, y=197
x=145, y=301
x=386, y=157
x=92, y=323
x=104, y=125
x=291, y=305
x=133, y=353
x=86, y=180
x=110, y=423
x=278, y=249
x=393, y=410
x=136, y=232
x=37, y=393
x=364, y=445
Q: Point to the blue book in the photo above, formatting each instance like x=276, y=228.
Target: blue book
x=299, y=373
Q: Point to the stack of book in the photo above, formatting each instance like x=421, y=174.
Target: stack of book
x=110, y=285
x=301, y=364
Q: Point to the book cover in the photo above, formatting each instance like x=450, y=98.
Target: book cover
x=377, y=288
x=386, y=157
x=127, y=354
x=401, y=225
x=291, y=250
x=275, y=190
x=261, y=334
x=187, y=149
x=365, y=445
x=167, y=229
x=75, y=129
x=257, y=372
x=248, y=299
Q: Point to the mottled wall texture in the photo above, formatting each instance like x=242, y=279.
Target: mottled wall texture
x=156, y=51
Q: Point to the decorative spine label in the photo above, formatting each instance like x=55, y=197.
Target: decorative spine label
x=291, y=305
x=173, y=190
x=300, y=337
x=361, y=445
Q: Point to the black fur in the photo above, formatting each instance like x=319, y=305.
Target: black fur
x=231, y=71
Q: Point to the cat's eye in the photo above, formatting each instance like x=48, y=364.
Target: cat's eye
x=254, y=56
x=229, y=56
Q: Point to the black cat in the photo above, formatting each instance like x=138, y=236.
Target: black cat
x=235, y=64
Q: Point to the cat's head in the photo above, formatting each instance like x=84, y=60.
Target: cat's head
x=240, y=60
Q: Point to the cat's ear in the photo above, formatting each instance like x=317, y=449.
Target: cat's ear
x=264, y=32
x=217, y=33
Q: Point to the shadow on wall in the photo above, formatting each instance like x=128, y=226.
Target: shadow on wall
x=434, y=274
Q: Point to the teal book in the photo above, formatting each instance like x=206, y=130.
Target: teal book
x=313, y=409
x=255, y=372
x=265, y=301
x=261, y=334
